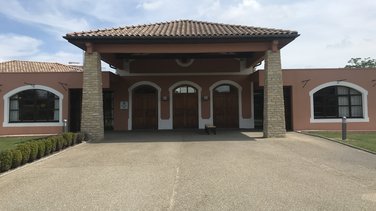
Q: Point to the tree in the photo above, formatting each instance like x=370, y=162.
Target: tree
x=361, y=63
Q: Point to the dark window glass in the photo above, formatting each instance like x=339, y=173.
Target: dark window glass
x=185, y=89
x=336, y=102
x=144, y=89
x=225, y=89
x=34, y=105
x=108, y=110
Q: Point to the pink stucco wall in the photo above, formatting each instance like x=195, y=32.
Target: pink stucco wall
x=301, y=108
x=301, y=113
x=11, y=81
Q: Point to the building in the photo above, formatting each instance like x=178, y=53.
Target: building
x=184, y=74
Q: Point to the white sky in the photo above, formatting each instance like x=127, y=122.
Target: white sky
x=331, y=32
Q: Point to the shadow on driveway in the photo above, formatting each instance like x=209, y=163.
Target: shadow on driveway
x=180, y=136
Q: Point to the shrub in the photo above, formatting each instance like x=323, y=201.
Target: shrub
x=68, y=138
x=82, y=136
x=79, y=138
x=33, y=150
x=41, y=148
x=17, y=158
x=59, y=142
x=25, y=151
x=74, y=138
x=48, y=146
x=5, y=160
x=53, y=141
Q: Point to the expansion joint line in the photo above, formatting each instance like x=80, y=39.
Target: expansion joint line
x=174, y=191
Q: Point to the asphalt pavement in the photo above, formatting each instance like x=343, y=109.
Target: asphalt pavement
x=188, y=170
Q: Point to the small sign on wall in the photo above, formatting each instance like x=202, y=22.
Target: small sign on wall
x=123, y=105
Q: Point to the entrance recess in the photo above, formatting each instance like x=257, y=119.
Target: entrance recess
x=185, y=107
x=258, y=98
x=226, y=106
x=145, y=108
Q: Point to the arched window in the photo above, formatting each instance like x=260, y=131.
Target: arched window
x=225, y=89
x=185, y=89
x=33, y=105
x=337, y=101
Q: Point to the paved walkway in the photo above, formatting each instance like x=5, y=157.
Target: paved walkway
x=181, y=171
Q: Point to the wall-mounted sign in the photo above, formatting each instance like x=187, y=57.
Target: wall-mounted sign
x=123, y=105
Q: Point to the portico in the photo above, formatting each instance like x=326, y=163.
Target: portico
x=186, y=61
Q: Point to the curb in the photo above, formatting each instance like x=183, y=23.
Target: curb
x=40, y=160
x=340, y=142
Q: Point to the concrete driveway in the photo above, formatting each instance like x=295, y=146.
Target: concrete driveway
x=193, y=171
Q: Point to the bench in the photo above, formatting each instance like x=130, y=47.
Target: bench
x=210, y=128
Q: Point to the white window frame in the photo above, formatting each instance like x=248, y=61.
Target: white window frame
x=363, y=91
x=7, y=96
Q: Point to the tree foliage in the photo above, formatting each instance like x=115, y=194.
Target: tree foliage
x=361, y=63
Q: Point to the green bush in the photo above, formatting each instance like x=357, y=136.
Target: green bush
x=25, y=151
x=5, y=160
x=48, y=145
x=68, y=138
x=82, y=136
x=33, y=150
x=74, y=138
x=53, y=141
x=65, y=142
x=79, y=138
x=17, y=158
x=41, y=148
x=59, y=142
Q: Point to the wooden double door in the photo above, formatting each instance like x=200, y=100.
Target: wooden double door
x=145, y=108
x=185, y=107
x=226, y=106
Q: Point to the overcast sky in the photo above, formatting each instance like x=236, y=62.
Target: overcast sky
x=331, y=32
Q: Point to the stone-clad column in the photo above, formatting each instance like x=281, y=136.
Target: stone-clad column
x=274, y=109
x=92, y=102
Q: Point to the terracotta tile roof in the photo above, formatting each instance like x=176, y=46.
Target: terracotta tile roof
x=36, y=67
x=183, y=29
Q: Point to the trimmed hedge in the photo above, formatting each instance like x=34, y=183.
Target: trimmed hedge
x=59, y=142
x=68, y=138
x=25, y=151
x=5, y=160
x=33, y=151
x=38, y=148
x=41, y=148
x=82, y=136
x=53, y=144
x=17, y=158
x=48, y=146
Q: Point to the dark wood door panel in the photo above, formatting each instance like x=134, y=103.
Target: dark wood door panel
x=185, y=110
x=226, y=109
x=145, y=111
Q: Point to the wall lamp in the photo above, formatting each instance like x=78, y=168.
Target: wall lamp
x=165, y=98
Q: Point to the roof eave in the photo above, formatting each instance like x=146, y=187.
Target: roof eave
x=79, y=41
x=170, y=38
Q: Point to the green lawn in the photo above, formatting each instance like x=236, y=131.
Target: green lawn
x=11, y=142
x=366, y=140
